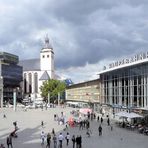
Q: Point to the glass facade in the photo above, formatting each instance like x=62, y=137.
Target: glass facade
x=126, y=86
x=12, y=77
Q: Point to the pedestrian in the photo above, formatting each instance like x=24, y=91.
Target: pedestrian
x=77, y=142
x=101, y=120
x=42, y=137
x=4, y=116
x=88, y=133
x=108, y=121
x=60, y=138
x=53, y=132
x=87, y=124
x=80, y=141
x=2, y=146
x=94, y=116
x=67, y=139
x=80, y=125
x=48, y=140
x=73, y=141
x=111, y=128
x=9, y=141
x=100, y=130
x=42, y=124
x=55, y=117
x=55, y=141
x=98, y=118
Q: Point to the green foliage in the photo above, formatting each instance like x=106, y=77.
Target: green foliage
x=54, y=87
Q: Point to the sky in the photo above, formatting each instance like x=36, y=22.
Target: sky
x=86, y=35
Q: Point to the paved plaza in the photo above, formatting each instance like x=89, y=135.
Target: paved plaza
x=29, y=124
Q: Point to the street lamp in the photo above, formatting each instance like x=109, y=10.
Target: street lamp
x=49, y=97
x=58, y=98
x=1, y=91
x=14, y=99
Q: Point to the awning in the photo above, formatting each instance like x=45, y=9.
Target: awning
x=134, y=115
x=128, y=115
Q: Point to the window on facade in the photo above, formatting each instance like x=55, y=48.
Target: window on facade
x=36, y=83
x=47, y=56
x=30, y=83
x=43, y=56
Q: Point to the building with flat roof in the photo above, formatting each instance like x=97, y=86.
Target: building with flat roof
x=84, y=93
x=124, y=84
x=10, y=76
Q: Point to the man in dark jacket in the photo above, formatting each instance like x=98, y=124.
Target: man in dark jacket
x=9, y=141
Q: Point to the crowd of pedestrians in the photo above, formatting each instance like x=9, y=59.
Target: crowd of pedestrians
x=58, y=140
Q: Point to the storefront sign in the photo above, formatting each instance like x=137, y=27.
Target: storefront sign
x=135, y=58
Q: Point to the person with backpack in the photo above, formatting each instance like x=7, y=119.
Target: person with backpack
x=42, y=137
x=67, y=139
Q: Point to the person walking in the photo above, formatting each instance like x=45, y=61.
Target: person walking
x=9, y=141
x=98, y=118
x=53, y=132
x=42, y=124
x=100, y=130
x=55, y=141
x=60, y=138
x=42, y=137
x=77, y=142
x=2, y=146
x=101, y=120
x=73, y=141
x=108, y=121
x=48, y=140
x=67, y=139
x=80, y=141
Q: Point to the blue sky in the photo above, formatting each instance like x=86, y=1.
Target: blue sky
x=85, y=34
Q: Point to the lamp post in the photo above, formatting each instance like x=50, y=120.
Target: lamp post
x=1, y=91
x=58, y=98
x=14, y=99
x=49, y=97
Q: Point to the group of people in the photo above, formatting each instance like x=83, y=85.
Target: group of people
x=58, y=140
x=10, y=136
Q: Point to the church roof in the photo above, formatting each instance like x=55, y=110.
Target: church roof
x=45, y=76
x=30, y=65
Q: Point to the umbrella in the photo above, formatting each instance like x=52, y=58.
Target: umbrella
x=122, y=114
x=134, y=115
x=85, y=111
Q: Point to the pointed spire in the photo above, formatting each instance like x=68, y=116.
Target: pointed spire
x=47, y=44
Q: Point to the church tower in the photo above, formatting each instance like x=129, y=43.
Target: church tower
x=47, y=59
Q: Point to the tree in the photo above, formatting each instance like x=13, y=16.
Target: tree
x=53, y=87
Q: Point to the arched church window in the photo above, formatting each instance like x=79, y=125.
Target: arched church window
x=43, y=56
x=36, y=82
x=47, y=56
x=25, y=83
x=30, y=82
